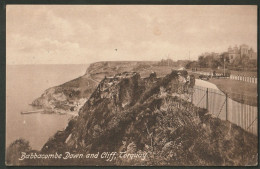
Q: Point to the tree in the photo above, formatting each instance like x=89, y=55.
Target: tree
x=191, y=64
x=215, y=64
x=13, y=152
x=223, y=57
x=201, y=61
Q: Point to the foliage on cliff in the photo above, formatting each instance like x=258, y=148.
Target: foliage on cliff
x=68, y=96
x=152, y=115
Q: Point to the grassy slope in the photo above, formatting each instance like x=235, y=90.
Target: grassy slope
x=240, y=91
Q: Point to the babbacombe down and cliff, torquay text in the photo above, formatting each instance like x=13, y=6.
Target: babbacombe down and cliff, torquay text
x=107, y=156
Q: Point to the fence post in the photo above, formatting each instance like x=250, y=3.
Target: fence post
x=226, y=107
x=192, y=97
x=207, y=99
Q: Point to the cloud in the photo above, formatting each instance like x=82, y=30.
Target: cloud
x=53, y=34
x=44, y=51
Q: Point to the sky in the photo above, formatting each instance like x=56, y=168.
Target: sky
x=83, y=34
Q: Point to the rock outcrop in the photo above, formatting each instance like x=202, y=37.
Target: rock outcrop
x=128, y=113
x=70, y=96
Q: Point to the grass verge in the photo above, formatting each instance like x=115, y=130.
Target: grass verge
x=242, y=92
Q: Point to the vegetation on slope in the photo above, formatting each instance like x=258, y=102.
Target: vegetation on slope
x=152, y=116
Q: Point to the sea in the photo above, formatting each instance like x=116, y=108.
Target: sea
x=24, y=83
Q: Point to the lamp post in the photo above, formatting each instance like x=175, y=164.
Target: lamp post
x=224, y=66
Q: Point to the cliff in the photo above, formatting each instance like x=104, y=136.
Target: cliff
x=70, y=96
x=152, y=116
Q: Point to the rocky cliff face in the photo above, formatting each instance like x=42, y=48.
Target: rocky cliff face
x=127, y=113
x=70, y=96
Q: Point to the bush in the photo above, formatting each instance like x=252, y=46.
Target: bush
x=13, y=152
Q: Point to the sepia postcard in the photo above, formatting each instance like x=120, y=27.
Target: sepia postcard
x=131, y=85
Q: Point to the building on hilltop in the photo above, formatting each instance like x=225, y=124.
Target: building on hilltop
x=242, y=51
x=232, y=53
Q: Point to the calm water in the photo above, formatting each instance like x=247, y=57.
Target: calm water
x=24, y=83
